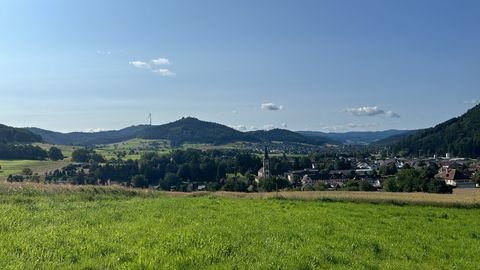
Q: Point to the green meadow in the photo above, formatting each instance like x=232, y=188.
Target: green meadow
x=56, y=227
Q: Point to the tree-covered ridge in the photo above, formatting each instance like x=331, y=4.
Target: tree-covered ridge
x=185, y=130
x=17, y=135
x=459, y=136
x=192, y=130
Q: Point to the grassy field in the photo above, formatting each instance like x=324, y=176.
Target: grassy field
x=138, y=146
x=58, y=227
x=37, y=166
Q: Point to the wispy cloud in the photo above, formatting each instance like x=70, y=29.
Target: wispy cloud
x=244, y=128
x=140, y=64
x=104, y=52
x=371, y=111
x=164, y=72
x=161, y=61
x=271, y=106
x=472, y=102
x=269, y=127
x=94, y=130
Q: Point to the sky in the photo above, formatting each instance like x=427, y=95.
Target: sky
x=302, y=65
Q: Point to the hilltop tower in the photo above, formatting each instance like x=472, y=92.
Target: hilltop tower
x=266, y=164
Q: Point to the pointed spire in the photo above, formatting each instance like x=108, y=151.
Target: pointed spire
x=265, y=156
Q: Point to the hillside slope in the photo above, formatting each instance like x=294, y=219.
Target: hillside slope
x=459, y=136
x=17, y=135
x=185, y=130
x=356, y=137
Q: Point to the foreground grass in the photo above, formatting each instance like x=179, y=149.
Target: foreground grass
x=115, y=228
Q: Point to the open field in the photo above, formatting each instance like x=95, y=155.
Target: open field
x=37, y=166
x=461, y=197
x=133, y=148
x=44, y=226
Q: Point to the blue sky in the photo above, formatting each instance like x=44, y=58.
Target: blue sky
x=306, y=65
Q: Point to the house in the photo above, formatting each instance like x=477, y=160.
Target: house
x=453, y=177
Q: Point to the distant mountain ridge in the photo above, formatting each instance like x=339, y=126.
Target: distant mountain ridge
x=284, y=135
x=459, y=136
x=357, y=137
x=185, y=130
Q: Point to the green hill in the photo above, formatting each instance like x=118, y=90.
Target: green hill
x=459, y=136
x=192, y=130
x=17, y=135
x=185, y=130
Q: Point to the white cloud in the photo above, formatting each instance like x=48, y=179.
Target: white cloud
x=271, y=106
x=268, y=127
x=139, y=64
x=472, y=102
x=161, y=61
x=284, y=125
x=392, y=114
x=240, y=127
x=234, y=111
x=371, y=111
x=334, y=128
x=244, y=128
x=94, y=130
x=164, y=72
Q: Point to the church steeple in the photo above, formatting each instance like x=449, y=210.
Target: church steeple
x=266, y=164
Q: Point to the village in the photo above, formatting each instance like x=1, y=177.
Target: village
x=455, y=172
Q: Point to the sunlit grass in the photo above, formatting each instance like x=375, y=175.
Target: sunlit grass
x=111, y=228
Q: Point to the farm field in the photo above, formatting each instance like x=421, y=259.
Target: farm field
x=51, y=227
x=133, y=148
x=37, y=166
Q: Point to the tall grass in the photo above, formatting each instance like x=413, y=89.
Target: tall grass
x=71, y=227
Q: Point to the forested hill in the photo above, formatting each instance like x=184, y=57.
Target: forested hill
x=185, y=130
x=192, y=130
x=90, y=138
x=17, y=135
x=459, y=136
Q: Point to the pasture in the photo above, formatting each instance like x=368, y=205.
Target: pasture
x=52, y=227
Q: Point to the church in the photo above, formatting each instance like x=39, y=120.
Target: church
x=264, y=172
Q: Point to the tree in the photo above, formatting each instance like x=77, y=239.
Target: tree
x=271, y=183
x=140, y=181
x=81, y=155
x=79, y=178
x=476, y=177
x=55, y=153
x=390, y=185
x=170, y=180
x=388, y=169
x=86, y=155
x=366, y=186
x=27, y=171
x=408, y=180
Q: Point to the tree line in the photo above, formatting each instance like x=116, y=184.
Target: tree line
x=29, y=152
